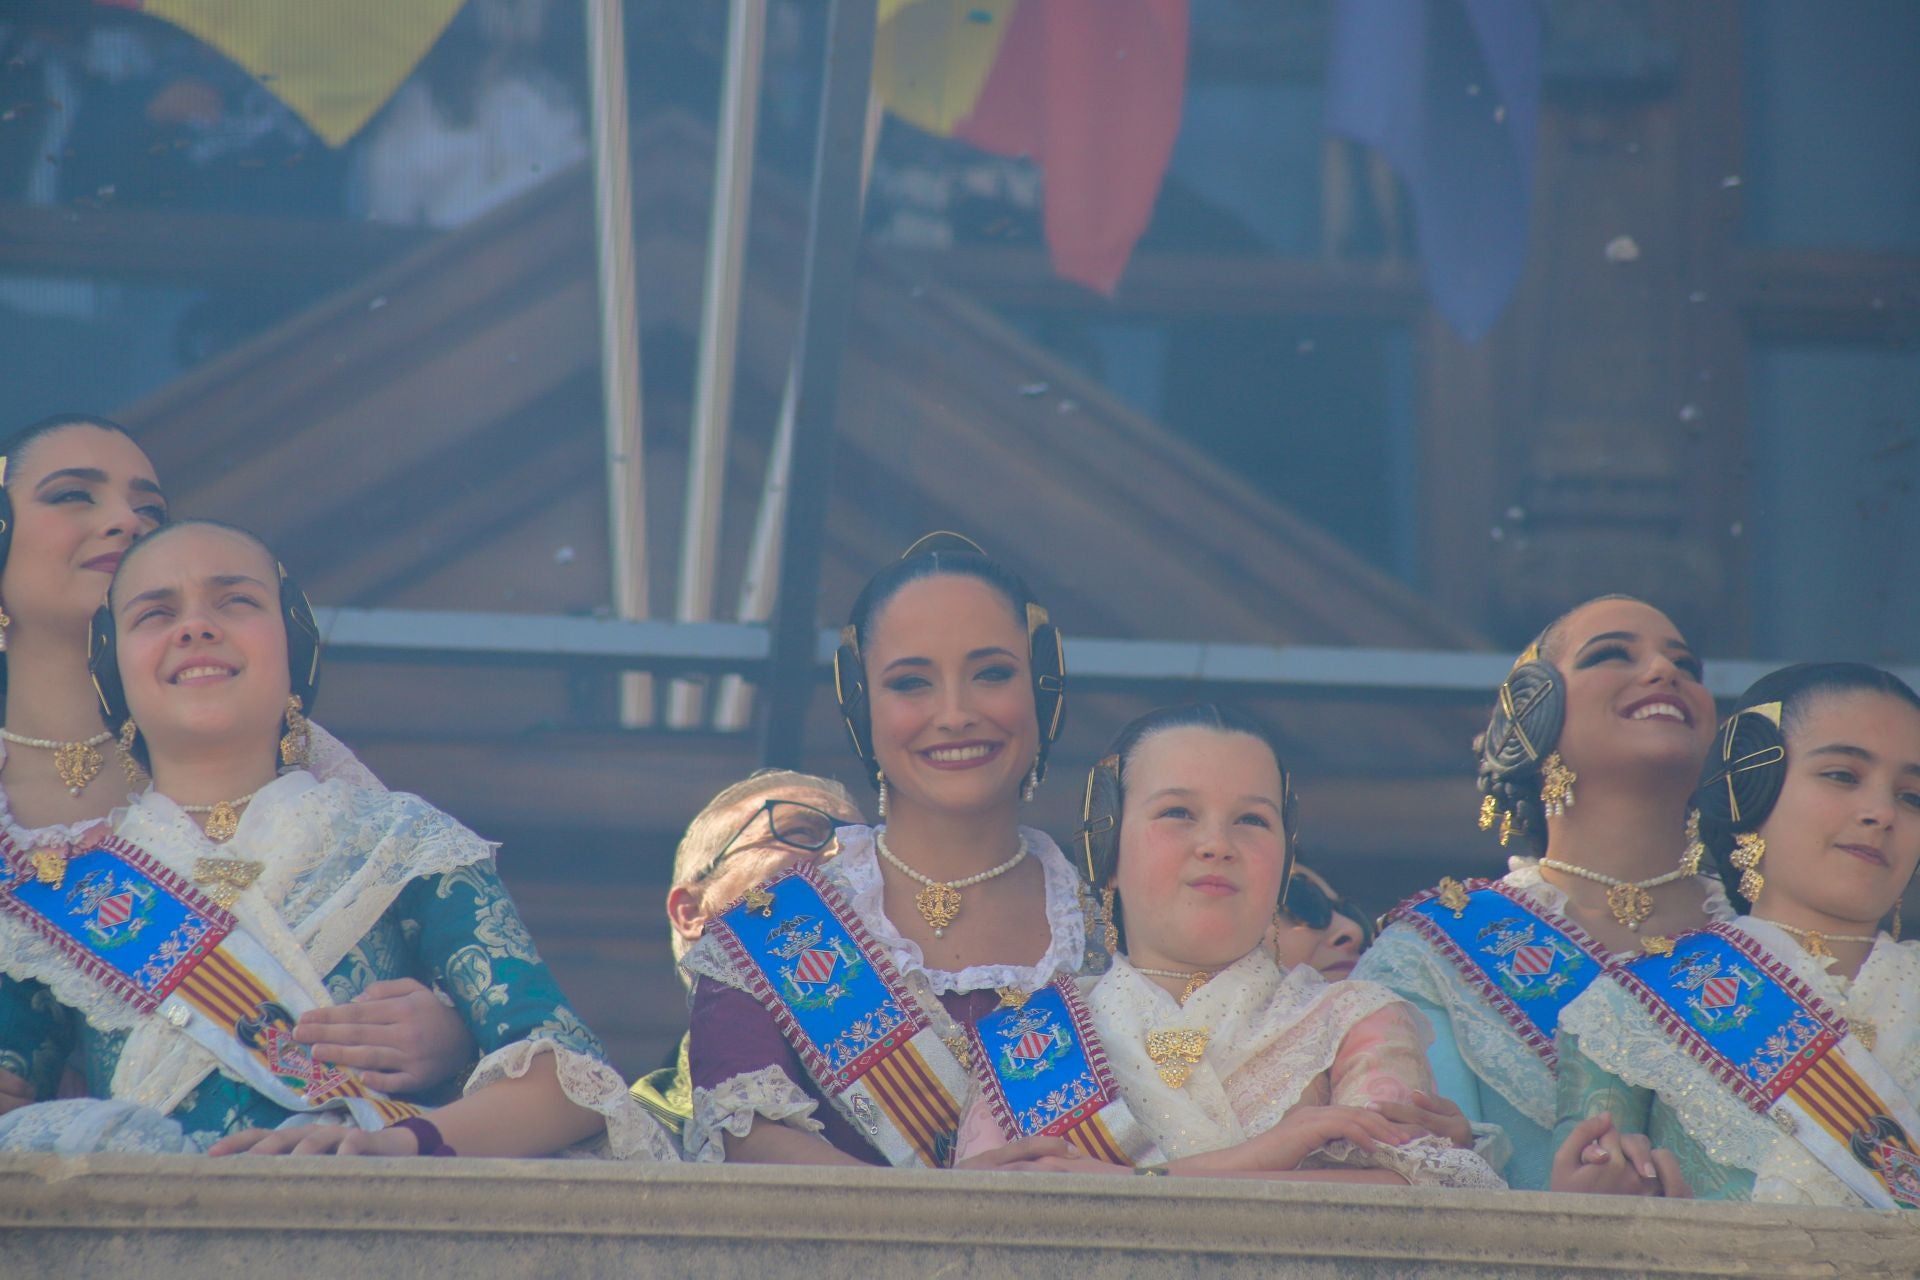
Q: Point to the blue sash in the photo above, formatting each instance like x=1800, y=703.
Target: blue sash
x=1736, y=1010
x=1528, y=966
x=1043, y=1072
x=840, y=1003
x=133, y=927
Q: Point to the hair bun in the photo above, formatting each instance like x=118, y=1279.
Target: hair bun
x=1745, y=769
x=1526, y=720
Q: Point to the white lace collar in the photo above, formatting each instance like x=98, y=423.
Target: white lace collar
x=1523, y=873
x=858, y=867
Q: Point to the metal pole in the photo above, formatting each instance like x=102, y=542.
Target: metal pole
x=719, y=332
x=826, y=300
x=619, y=334
x=734, y=706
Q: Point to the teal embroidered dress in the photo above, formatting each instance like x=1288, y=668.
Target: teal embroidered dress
x=358, y=886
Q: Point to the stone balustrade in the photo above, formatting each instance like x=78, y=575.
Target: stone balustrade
x=158, y=1218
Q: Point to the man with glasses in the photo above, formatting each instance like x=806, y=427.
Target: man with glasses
x=749, y=833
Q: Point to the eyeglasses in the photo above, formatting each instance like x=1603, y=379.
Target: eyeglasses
x=1310, y=905
x=792, y=823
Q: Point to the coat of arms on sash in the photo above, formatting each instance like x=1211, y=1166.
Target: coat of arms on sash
x=1721, y=996
x=270, y=1030
x=1528, y=969
x=113, y=912
x=814, y=976
x=1031, y=1040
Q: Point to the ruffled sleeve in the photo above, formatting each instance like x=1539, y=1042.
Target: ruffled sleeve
x=478, y=949
x=1382, y=1058
x=742, y=1068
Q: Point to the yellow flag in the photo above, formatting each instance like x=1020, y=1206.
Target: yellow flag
x=931, y=57
x=335, y=62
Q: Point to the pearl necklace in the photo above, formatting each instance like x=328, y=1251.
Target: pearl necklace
x=1628, y=900
x=1816, y=942
x=223, y=818
x=939, y=900
x=77, y=763
x=1196, y=978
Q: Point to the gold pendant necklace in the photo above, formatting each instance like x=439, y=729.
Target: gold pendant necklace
x=77, y=763
x=1627, y=900
x=223, y=819
x=939, y=900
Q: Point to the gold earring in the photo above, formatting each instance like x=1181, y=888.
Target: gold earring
x=5, y=622
x=881, y=778
x=1506, y=828
x=1032, y=783
x=1109, y=931
x=1748, y=849
x=1695, y=851
x=128, y=732
x=1489, y=812
x=1896, y=916
x=1556, y=785
x=296, y=745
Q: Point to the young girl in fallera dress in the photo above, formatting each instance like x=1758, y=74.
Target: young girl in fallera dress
x=1778, y=1055
x=75, y=493
x=1234, y=1067
x=229, y=900
x=1591, y=756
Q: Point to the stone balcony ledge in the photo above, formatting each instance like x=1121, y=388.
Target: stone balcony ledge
x=343, y=1219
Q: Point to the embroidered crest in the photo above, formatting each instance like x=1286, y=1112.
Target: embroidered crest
x=112, y=911
x=1528, y=970
x=1031, y=1041
x=1722, y=995
x=1884, y=1147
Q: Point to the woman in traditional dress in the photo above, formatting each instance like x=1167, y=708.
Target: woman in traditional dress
x=1778, y=1055
x=854, y=983
x=1233, y=1066
x=75, y=493
x=1591, y=757
x=229, y=900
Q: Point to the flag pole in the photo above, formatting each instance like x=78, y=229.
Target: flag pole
x=619, y=335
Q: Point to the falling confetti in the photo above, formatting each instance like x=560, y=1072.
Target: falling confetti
x=1623, y=249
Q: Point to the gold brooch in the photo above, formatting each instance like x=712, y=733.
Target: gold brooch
x=1453, y=895
x=1013, y=998
x=50, y=867
x=758, y=899
x=1176, y=1053
x=1656, y=946
x=225, y=879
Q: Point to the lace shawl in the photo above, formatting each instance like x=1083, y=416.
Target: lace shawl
x=1401, y=959
x=335, y=856
x=730, y=1106
x=1273, y=1041
x=1620, y=1037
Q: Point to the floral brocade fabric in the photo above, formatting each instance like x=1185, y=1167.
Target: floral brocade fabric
x=360, y=886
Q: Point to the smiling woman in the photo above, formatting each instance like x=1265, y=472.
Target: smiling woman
x=1591, y=756
x=1812, y=804
x=76, y=493
x=951, y=686
x=241, y=891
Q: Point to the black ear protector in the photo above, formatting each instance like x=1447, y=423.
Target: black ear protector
x=303, y=653
x=1046, y=660
x=1527, y=717
x=1100, y=825
x=1745, y=770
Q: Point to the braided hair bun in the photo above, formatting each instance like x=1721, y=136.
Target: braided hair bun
x=1525, y=725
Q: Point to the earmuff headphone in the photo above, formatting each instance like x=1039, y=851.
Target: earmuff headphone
x=1100, y=824
x=303, y=653
x=1046, y=660
x=1745, y=769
